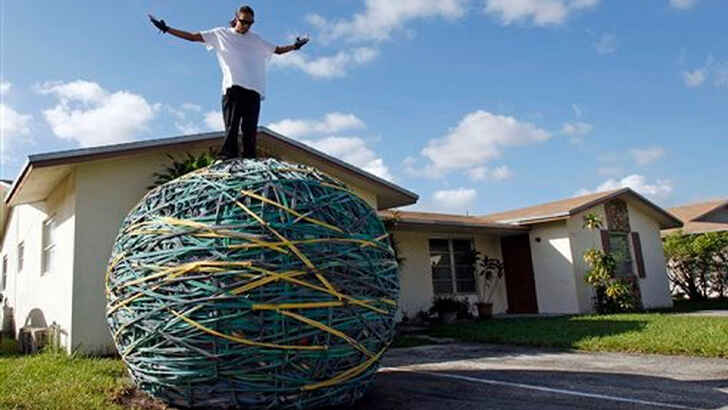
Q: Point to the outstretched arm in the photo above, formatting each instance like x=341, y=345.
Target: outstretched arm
x=161, y=25
x=300, y=42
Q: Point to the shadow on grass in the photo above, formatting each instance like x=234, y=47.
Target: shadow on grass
x=394, y=390
x=687, y=306
x=561, y=332
x=8, y=347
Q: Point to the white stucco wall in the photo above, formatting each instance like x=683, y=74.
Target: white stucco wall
x=553, y=269
x=37, y=298
x=581, y=241
x=655, y=286
x=416, y=275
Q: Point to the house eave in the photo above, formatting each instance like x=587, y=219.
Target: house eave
x=388, y=194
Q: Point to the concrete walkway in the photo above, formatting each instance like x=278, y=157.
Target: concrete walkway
x=720, y=313
x=470, y=376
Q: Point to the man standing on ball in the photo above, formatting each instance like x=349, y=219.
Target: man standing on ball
x=243, y=56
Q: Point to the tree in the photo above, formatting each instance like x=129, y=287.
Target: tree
x=697, y=265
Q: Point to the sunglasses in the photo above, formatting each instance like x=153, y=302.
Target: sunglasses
x=246, y=22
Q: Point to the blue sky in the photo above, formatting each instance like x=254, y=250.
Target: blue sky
x=477, y=105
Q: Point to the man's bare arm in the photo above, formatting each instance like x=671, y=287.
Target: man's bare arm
x=300, y=42
x=185, y=35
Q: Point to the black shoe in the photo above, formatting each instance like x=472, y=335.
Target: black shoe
x=224, y=157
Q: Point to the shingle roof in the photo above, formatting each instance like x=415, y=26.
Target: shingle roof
x=551, y=210
x=689, y=213
x=424, y=219
x=563, y=209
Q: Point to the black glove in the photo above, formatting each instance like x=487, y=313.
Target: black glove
x=160, y=24
x=300, y=42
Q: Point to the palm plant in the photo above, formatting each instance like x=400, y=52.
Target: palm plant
x=183, y=166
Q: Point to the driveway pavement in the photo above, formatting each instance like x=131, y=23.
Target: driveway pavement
x=468, y=376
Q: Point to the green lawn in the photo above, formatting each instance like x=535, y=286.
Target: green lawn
x=644, y=333
x=56, y=381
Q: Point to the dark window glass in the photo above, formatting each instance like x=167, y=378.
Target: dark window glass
x=452, y=270
x=619, y=249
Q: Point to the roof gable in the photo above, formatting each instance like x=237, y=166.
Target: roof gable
x=709, y=216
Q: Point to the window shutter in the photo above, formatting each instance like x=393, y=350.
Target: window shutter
x=638, y=254
x=605, y=240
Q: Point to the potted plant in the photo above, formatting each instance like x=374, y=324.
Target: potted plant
x=490, y=271
x=447, y=308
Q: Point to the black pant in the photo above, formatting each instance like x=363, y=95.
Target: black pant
x=240, y=103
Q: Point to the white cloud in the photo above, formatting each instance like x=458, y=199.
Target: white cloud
x=4, y=87
x=610, y=171
x=331, y=123
x=337, y=65
x=683, y=4
x=13, y=123
x=381, y=17
x=213, y=121
x=576, y=130
x=479, y=137
x=191, y=107
x=187, y=125
x=577, y=110
x=90, y=115
x=456, y=200
x=540, y=12
x=645, y=156
x=660, y=189
x=700, y=75
x=695, y=78
x=351, y=149
x=500, y=173
x=607, y=44
x=721, y=74
x=354, y=151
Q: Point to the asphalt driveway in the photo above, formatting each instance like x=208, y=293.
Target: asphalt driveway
x=468, y=376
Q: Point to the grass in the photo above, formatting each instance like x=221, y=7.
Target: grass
x=640, y=333
x=56, y=380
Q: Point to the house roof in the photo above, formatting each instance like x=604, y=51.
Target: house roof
x=565, y=208
x=433, y=221
x=389, y=194
x=696, y=217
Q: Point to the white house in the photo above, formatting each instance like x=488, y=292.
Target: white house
x=542, y=248
x=65, y=208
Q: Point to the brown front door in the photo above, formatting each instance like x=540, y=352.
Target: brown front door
x=520, y=284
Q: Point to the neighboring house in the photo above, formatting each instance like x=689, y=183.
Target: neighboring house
x=65, y=209
x=542, y=248
x=710, y=216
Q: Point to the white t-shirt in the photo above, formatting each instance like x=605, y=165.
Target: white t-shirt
x=243, y=58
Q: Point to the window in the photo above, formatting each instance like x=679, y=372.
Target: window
x=620, y=250
x=21, y=250
x=452, y=270
x=49, y=245
x=4, y=280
